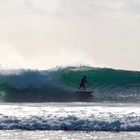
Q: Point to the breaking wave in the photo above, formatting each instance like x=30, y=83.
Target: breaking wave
x=71, y=118
x=61, y=85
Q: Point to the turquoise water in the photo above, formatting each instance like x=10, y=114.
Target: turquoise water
x=61, y=84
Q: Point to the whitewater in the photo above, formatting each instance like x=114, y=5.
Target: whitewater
x=45, y=105
x=74, y=120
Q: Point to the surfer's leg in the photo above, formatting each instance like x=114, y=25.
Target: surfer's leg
x=80, y=86
x=84, y=87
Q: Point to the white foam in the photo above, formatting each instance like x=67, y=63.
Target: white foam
x=67, y=117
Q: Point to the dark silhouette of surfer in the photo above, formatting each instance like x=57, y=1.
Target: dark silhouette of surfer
x=83, y=82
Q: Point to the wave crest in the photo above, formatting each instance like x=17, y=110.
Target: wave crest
x=61, y=84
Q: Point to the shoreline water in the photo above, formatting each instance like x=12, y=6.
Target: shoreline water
x=67, y=135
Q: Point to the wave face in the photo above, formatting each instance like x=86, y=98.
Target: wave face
x=61, y=85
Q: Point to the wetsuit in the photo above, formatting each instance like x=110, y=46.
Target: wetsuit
x=83, y=82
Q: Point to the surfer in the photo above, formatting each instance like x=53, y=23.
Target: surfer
x=83, y=82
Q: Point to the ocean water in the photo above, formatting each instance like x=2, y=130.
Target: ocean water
x=75, y=120
x=46, y=105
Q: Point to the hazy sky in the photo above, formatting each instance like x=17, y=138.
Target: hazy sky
x=42, y=34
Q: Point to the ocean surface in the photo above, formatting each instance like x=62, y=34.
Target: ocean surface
x=45, y=104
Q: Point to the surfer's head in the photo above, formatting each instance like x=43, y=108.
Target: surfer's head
x=85, y=76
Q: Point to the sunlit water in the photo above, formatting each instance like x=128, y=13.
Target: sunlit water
x=69, y=135
x=80, y=121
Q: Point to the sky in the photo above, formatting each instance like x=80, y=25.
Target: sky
x=42, y=34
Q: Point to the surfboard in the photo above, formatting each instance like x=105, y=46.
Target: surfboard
x=85, y=92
